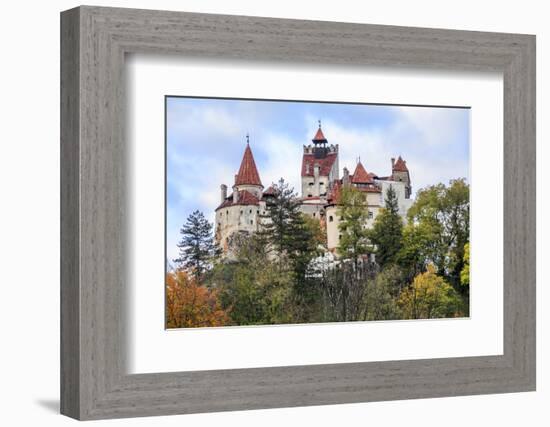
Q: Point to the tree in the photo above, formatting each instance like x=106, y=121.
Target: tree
x=344, y=289
x=465, y=273
x=353, y=213
x=443, y=212
x=421, y=245
x=252, y=286
x=189, y=305
x=387, y=232
x=380, y=295
x=282, y=219
x=294, y=240
x=197, y=246
x=428, y=297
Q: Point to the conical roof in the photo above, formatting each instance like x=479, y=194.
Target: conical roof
x=248, y=173
x=361, y=176
x=319, y=137
x=400, y=165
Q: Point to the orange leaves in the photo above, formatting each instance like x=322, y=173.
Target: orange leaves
x=190, y=305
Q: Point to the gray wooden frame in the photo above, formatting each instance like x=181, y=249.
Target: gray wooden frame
x=94, y=41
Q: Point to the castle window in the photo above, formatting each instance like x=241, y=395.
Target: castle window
x=241, y=212
x=313, y=214
x=251, y=222
x=311, y=184
x=371, y=215
x=309, y=195
x=227, y=212
x=330, y=219
x=250, y=211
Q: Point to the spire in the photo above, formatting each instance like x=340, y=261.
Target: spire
x=248, y=174
x=400, y=165
x=361, y=176
x=319, y=137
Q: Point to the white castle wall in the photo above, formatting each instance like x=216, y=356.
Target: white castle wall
x=237, y=218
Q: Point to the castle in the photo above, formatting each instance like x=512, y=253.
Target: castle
x=242, y=210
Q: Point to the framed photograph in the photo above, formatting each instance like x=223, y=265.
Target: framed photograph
x=261, y=213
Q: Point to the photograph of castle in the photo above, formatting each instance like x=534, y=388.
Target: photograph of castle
x=293, y=212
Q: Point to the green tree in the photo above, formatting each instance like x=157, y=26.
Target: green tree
x=429, y=296
x=380, y=295
x=282, y=220
x=465, y=273
x=443, y=212
x=353, y=213
x=387, y=232
x=294, y=240
x=421, y=246
x=253, y=289
x=197, y=246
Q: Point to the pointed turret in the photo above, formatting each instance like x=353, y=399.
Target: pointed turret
x=361, y=176
x=320, y=149
x=400, y=165
x=400, y=172
x=248, y=173
x=319, y=137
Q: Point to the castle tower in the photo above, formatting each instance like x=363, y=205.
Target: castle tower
x=319, y=167
x=400, y=173
x=240, y=211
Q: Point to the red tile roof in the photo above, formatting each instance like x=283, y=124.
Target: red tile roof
x=400, y=165
x=319, y=136
x=248, y=174
x=244, y=198
x=309, y=160
x=361, y=176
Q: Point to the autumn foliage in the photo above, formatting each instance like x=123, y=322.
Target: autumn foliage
x=190, y=305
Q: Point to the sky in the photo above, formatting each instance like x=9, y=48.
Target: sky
x=206, y=139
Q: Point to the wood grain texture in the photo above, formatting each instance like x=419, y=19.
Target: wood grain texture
x=95, y=235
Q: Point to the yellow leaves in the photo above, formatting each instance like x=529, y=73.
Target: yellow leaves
x=429, y=296
x=190, y=305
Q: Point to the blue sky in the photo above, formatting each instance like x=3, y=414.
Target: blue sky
x=206, y=139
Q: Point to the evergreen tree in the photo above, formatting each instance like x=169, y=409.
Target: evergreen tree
x=284, y=228
x=387, y=232
x=294, y=239
x=197, y=246
x=353, y=213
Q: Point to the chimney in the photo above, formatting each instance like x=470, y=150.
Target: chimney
x=223, y=188
x=392, y=162
x=235, y=195
x=345, y=179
